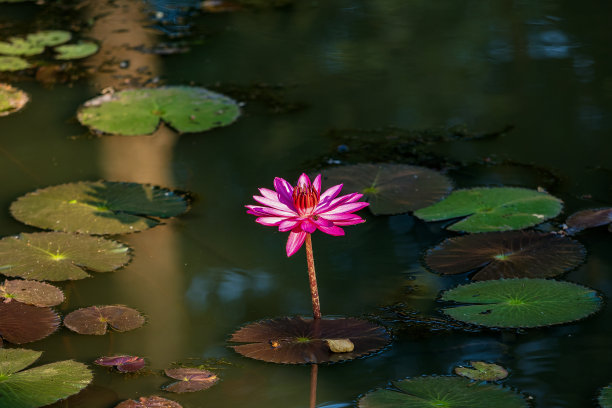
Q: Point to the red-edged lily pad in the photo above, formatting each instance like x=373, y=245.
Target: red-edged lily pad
x=21, y=323
x=589, y=219
x=96, y=319
x=190, y=379
x=31, y=292
x=150, y=402
x=125, y=364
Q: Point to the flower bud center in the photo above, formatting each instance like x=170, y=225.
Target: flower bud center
x=305, y=198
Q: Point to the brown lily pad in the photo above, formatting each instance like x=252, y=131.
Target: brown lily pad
x=31, y=292
x=298, y=340
x=190, y=379
x=481, y=371
x=589, y=219
x=125, y=364
x=150, y=402
x=511, y=254
x=95, y=319
x=21, y=323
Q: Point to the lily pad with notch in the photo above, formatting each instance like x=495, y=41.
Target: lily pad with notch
x=99, y=207
x=96, y=319
x=76, y=51
x=150, y=402
x=190, y=379
x=521, y=303
x=482, y=371
x=298, y=340
x=57, y=256
x=21, y=323
x=11, y=63
x=605, y=397
x=493, y=209
x=139, y=111
x=589, y=219
x=11, y=99
x=510, y=254
x=38, y=386
x=391, y=188
x=31, y=292
x=449, y=392
x=123, y=363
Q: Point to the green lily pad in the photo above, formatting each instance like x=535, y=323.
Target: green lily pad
x=11, y=99
x=493, y=209
x=31, y=292
x=41, y=385
x=49, y=38
x=510, y=254
x=13, y=63
x=19, y=46
x=76, y=51
x=391, y=188
x=21, y=323
x=521, y=302
x=448, y=392
x=139, y=111
x=605, y=397
x=481, y=371
x=589, y=219
x=101, y=207
x=96, y=319
x=57, y=256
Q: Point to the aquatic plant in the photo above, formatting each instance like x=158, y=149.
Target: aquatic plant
x=11, y=99
x=96, y=319
x=190, y=379
x=123, y=363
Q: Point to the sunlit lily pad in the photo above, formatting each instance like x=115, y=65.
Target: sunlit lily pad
x=21, y=323
x=512, y=254
x=589, y=219
x=101, y=207
x=448, y=392
x=521, y=302
x=13, y=63
x=296, y=340
x=605, y=397
x=481, y=371
x=391, y=188
x=76, y=51
x=11, y=99
x=34, y=43
x=493, y=209
x=125, y=364
x=41, y=385
x=139, y=111
x=190, y=379
x=56, y=256
x=150, y=402
x=31, y=292
x=49, y=38
x=95, y=319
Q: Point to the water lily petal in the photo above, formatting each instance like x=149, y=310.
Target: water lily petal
x=331, y=193
x=270, y=221
x=342, y=217
x=348, y=208
x=323, y=222
x=295, y=241
x=317, y=184
x=345, y=199
x=285, y=192
x=273, y=203
x=308, y=226
x=271, y=194
x=267, y=211
x=287, y=225
x=335, y=231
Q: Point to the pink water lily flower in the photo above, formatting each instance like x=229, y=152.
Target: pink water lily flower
x=303, y=209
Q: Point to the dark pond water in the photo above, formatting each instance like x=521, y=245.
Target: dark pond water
x=543, y=67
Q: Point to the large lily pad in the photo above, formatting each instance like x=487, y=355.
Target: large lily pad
x=448, y=392
x=139, y=111
x=21, y=323
x=605, y=397
x=31, y=292
x=512, y=254
x=11, y=99
x=41, y=385
x=589, y=219
x=493, y=209
x=391, y=188
x=521, y=302
x=481, y=371
x=190, y=379
x=149, y=402
x=296, y=340
x=13, y=63
x=76, y=51
x=57, y=256
x=101, y=207
x=96, y=319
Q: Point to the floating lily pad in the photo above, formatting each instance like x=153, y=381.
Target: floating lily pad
x=101, y=207
x=521, y=302
x=190, y=379
x=296, y=340
x=49, y=38
x=448, y=392
x=19, y=46
x=31, y=292
x=481, y=371
x=57, y=256
x=589, y=219
x=76, y=51
x=493, y=209
x=125, y=364
x=139, y=111
x=605, y=397
x=38, y=386
x=150, y=402
x=13, y=63
x=95, y=319
x=512, y=254
x=391, y=188
x=21, y=323
x=11, y=99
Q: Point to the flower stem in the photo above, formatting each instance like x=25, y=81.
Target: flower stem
x=312, y=278
x=313, y=385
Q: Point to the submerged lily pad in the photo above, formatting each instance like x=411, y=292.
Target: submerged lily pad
x=589, y=219
x=605, y=397
x=448, y=392
x=512, y=254
x=493, y=209
x=521, y=302
x=21, y=323
x=481, y=371
x=76, y=51
x=125, y=364
x=296, y=340
x=139, y=111
x=100, y=207
x=31, y=292
x=190, y=379
x=13, y=63
x=38, y=386
x=11, y=99
x=95, y=319
x=150, y=402
x=391, y=188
